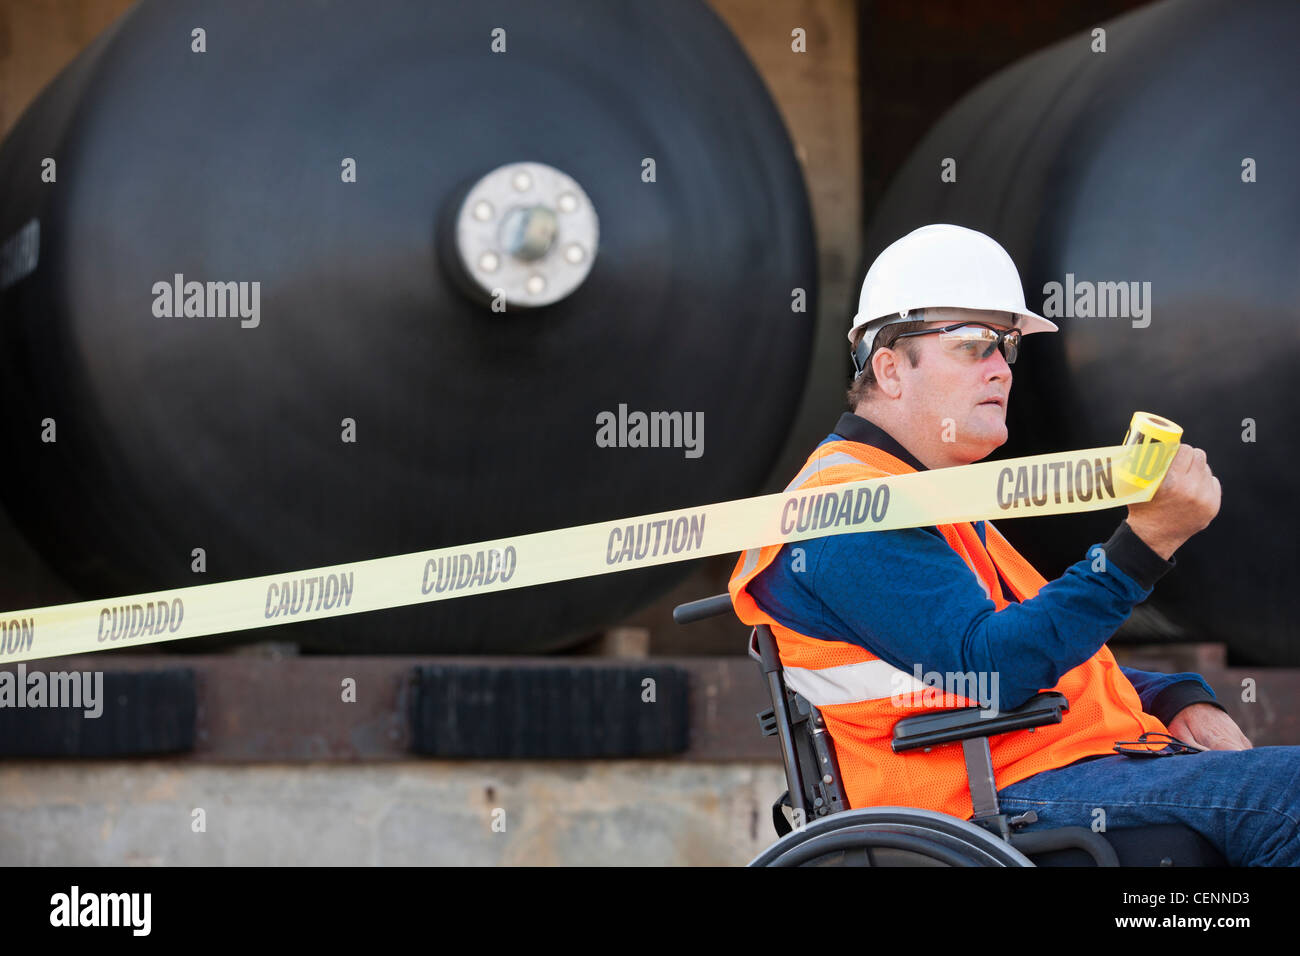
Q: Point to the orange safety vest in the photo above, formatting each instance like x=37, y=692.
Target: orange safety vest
x=858, y=693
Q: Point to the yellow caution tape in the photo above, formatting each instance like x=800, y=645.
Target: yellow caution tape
x=1157, y=441
x=1062, y=483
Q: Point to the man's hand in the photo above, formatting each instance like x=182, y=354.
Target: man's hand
x=1185, y=503
x=1208, y=727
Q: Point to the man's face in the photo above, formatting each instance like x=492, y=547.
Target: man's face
x=961, y=399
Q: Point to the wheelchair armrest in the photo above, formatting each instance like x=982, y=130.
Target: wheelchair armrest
x=930, y=730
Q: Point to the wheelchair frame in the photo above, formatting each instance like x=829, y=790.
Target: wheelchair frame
x=822, y=826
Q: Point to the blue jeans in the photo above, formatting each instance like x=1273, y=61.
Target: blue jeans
x=1245, y=802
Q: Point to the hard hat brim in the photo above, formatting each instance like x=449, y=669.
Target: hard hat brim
x=1028, y=322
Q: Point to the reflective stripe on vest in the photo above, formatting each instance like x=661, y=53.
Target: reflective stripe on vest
x=861, y=696
x=865, y=680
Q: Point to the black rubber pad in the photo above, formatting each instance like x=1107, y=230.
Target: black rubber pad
x=539, y=712
x=143, y=712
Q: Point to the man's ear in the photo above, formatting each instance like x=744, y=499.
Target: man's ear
x=885, y=366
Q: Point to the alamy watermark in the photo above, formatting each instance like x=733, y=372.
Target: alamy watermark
x=947, y=689
x=76, y=689
x=75, y=908
x=208, y=300
x=1085, y=300
x=651, y=430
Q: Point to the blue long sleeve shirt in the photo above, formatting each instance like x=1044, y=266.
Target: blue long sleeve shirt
x=909, y=599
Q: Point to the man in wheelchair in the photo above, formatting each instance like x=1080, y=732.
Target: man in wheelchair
x=856, y=617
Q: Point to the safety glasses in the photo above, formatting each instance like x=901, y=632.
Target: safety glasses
x=974, y=341
x=1166, y=746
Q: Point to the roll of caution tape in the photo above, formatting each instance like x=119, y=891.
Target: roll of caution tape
x=1063, y=483
x=1154, y=441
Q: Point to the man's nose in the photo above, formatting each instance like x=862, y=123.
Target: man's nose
x=996, y=367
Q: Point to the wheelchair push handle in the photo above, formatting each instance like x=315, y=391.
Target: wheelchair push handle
x=699, y=610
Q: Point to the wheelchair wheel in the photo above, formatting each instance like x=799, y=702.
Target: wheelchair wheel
x=891, y=836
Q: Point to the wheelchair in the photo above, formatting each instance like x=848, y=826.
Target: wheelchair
x=816, y=826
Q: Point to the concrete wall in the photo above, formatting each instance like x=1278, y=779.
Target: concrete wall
x=618, y=813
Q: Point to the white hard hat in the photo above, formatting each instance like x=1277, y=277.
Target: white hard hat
x=941, y=266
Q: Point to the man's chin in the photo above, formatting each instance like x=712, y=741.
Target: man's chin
x=982, y=445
